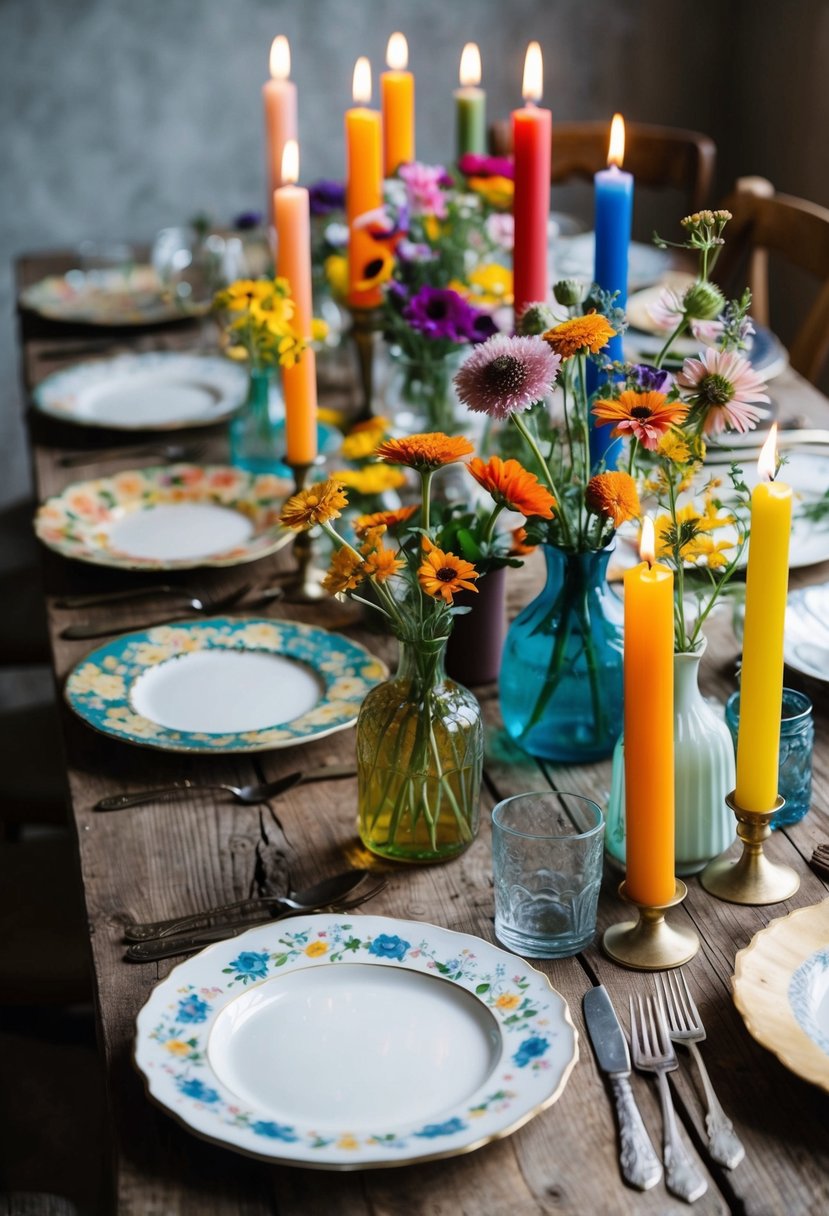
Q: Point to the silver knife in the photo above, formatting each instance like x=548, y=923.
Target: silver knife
x=641, y=1166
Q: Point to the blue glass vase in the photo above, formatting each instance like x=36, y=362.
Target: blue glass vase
x=256, y=431
x=561, y=674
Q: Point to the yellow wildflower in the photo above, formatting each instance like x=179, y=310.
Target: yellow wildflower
x=714, y=552
x=672, y=446
x=487, y=287
x=497, y=191
x=336, y=272
x=345, y=572
x=373, y=479
x=364, y=438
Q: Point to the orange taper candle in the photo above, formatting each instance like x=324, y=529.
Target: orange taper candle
x=397, y=90
x=363, y=183
x=279, y=99
x=649, y=728
x=293, y=262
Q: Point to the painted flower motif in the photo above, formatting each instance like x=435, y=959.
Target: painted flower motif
x=725, y=387
x=318, y=504
x=432, y=1130
x=529, y=1050
x=192, y=1009
x=178, y=1047
x=389, y=945
x=250, y=965
x=192, y=1087
x=507, y=375
x=443, y=575
x=579, y=335
x=508, y=1000
x=425, y=451
x=348, y=1142
x=645, y=416
x=613, y=495
x=316, y=949
x=274, y=1131
x=512, y=486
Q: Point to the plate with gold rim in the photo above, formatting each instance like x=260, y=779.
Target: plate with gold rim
x=356, y=1042
x=781, y=989
x=172, y=517
x=223, y=685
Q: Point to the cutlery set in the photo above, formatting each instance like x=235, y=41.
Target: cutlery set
x=657, y=1022
x=199, y=604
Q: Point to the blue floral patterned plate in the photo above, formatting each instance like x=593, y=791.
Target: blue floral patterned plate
x=354, y=1042
x=781, y=988
x=223, y=685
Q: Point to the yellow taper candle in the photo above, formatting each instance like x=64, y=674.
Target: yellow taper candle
x=649, y=728
x=293, y=262
x=761, y=682
x=363, y=185
x=397, y=90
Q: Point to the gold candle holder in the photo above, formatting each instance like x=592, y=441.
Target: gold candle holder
x=304, y=584
x=650, y=943
x=365, y=325
x=750, y=878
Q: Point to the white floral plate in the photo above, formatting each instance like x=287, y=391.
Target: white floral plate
x=174, y=517
x=806, y=643
x=781, y=988
x=352, y=1043
x=223, y=685
x=129, y=295
x=157, y=390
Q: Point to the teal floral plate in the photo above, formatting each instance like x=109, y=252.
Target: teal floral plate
x=223, y=685
x=354, y=1042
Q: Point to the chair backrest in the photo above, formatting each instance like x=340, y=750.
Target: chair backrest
x=798, y=231
x=659, y=157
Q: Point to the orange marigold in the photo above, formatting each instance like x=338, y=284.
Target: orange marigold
x=322, y=501
x=372, y=539
x=345, y=572
x=590, y=332
x=519, y=546
x=513, y=486
x=424, y=452
x=382, y=564
x=613, y=495
x=389, y=519
x=442, y=575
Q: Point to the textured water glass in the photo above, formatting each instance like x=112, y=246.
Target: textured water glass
x=547, y=861
x=797, y=742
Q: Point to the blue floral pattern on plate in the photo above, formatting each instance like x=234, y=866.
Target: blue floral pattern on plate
x=536, y=1040
x=807, y=990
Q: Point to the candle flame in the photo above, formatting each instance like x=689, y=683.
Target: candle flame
x=616, y=151
x=767, y=462
x=361, y=86
x=533, y=73
x=647, y=541
x=290, y=162
x=397, y=53
x=470, y=65
x=280, y=58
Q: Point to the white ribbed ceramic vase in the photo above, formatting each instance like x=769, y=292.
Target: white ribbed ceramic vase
x=703, y=775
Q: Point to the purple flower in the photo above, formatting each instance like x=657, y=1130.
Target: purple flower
x=247, y=220
x=414, y=251
x=424, y=188
x=649, y=379
x=326, y=196
x=472, y=165
x=507, y=375
x=439, y=312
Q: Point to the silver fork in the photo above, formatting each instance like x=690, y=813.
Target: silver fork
x=205, y=604
x=685, y=1026
x=651, y=1049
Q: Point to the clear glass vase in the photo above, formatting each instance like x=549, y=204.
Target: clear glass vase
x=420, y=751
x=257, y=431
x=561, y=671
x=420, y=394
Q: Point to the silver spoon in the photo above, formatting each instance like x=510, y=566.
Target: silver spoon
x=248, y=795
x=76, y=633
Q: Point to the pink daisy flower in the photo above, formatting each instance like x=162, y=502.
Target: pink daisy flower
x=667, y=311
x=507, y=375
x=424, y=188
x=725, y=387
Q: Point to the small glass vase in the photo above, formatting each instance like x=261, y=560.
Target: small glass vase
x=420, y=749
x=256, y=435
x=703, y=775
x=561, y=671
x=420, y=394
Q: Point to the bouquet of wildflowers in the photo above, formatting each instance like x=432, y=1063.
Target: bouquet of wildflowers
x=257, y=323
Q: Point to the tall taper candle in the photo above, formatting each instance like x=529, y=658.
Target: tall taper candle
x=397, y=90
x=363, y=183
x=531, y=139
x=279, y=100
x=470, y=105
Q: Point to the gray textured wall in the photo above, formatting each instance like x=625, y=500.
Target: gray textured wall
x=122, y=116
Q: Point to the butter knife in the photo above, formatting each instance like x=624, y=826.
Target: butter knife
x=641, y=1166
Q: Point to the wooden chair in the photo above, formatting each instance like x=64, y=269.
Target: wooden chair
x=797, y=231
x=658, y=157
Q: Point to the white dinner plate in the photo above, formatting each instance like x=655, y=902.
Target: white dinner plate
x=158, y=390
x=173, y=517
x=354, y=1042
x=781, y=988
x=223, y=685
x=120, y=296
x=806, y=642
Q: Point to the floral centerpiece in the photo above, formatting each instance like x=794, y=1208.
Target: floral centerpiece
x=419, y=736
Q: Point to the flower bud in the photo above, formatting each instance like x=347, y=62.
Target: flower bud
x=703, y=301
x=568, y=292
x=535, y=320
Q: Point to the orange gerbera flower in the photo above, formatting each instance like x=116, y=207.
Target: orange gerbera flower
x=382, y=564
x=424, y=452
x=645, y=416
x=372, y=539
x=614, y=495
x=519, y=546
x=322, y=501
x=590, y=332
x=345, y=572
x=444, y=574
x=513, y=486
x=388, y=519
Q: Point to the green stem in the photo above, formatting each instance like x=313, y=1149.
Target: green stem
x=680, y=329
x=529, y=438
x=490, y=524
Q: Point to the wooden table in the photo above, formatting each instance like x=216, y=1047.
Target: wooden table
x=173, y=858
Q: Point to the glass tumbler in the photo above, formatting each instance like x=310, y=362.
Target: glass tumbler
x=547, y=860
x=797, y=742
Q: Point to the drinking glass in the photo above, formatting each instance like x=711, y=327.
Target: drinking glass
x=797, y=742
x=547, y=862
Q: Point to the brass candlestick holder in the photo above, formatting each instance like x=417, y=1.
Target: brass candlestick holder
x=750, y=878
x=365, y=326
x=304, y=584
x=650, y=943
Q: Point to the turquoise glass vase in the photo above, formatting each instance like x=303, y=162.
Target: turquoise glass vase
x=256, y=432
x=561, y=673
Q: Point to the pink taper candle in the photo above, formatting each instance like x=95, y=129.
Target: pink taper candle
x=279, y=99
